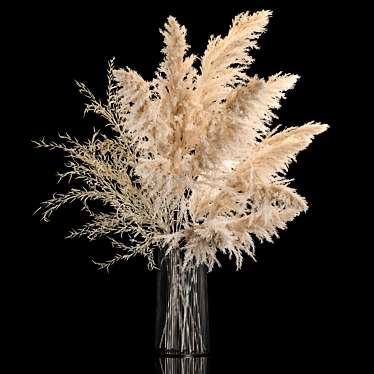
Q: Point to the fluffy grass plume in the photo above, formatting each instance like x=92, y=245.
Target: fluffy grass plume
x=193, y=162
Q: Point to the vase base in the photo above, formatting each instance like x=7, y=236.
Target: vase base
x=181, y=355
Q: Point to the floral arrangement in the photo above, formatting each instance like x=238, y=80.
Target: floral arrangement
x=193, y=163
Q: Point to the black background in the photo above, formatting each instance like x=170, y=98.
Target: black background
x=282, y=311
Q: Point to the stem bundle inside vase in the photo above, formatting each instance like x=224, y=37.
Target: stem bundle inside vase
x=185, y=365
x=182, y=323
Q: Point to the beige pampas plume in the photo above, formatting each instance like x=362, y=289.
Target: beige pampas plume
x=193, y=163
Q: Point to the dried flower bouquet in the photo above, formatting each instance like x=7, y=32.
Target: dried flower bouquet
x=193, y=163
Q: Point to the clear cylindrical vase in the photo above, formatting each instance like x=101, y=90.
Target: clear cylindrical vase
x=182, y=318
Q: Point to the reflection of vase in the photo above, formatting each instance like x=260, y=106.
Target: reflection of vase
x=182, y=320
x=186, y=365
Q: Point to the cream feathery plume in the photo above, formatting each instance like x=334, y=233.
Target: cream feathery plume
x=194, y=164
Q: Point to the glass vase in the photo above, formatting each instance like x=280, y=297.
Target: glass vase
x=182, y=319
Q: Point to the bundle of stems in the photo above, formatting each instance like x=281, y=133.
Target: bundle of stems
x=182, y=322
